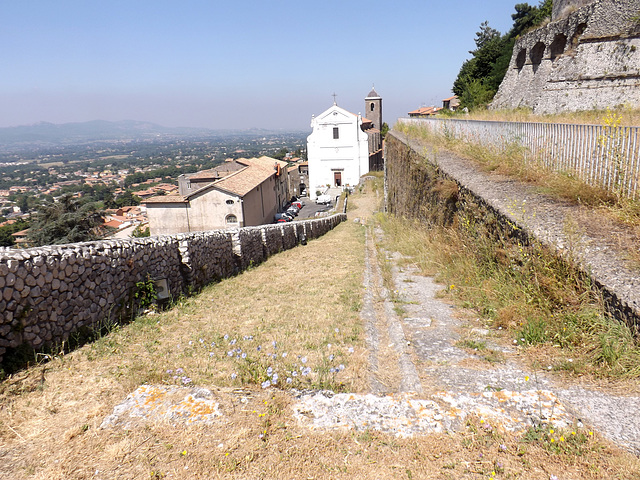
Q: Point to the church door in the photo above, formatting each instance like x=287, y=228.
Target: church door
x=337, y=179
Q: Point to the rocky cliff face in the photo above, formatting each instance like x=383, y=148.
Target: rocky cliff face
x=585, y=59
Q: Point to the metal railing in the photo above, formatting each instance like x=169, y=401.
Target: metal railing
x=602, y=156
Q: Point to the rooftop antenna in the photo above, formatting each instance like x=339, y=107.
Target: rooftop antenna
x=334, y=98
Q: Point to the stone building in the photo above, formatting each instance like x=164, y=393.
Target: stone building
x=587, y=58
x=344, y=146
x=240, y=193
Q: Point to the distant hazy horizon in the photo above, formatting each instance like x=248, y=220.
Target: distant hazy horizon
x=231, y=65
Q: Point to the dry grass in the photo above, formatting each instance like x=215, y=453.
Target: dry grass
x=525, y=293
x=630, y=117
x=49, y=419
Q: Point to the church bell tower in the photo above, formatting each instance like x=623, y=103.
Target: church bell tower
x=373, y=108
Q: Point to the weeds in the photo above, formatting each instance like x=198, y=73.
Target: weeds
x=524, y=290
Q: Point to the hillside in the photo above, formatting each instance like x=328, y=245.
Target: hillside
x=307, y=311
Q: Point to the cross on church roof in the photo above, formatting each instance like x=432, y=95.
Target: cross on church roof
x=334, y=98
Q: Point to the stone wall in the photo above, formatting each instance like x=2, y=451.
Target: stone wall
x=51, y=292
x=448, y=190
x=588, y=58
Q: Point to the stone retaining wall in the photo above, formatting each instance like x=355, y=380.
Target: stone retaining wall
x=50, y=292
x=585, y=59
x=438, y=188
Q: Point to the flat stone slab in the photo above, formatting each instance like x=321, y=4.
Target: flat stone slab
x=172, y=404
x=405, y=415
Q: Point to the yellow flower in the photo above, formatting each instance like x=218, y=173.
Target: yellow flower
x=526, y=379
x=184, y=452
x=551, y=431
x=552, y=440
x=590, y=433
x=562, y=439
x=573, y=433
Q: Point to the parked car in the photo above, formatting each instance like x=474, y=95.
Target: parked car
x=283, y=217
x=293, y=210
x=323, y=199
x=297, y=204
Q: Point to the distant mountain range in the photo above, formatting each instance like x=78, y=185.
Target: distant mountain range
x=49, y=134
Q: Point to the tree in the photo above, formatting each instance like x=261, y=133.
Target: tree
x=384, y=130
x=68, y=220
x=481, y=75
x=6, y=237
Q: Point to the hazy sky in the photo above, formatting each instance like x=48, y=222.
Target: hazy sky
x=231, y=64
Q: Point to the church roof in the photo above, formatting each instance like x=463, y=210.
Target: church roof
x=373, y=93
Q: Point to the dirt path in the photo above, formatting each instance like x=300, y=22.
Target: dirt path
x=431, y=368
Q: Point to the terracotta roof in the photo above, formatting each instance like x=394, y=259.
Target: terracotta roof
x=450, y=98
x=257, y=171
x=113, y=224
x=166, y=199
x=425, y=111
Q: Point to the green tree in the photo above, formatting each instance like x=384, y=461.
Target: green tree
x=384, y=130
x=68, y=220
x=481, y=75
x=6, y=231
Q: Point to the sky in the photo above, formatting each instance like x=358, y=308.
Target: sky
x=236, y=64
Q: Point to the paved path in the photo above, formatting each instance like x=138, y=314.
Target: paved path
x=437, y=384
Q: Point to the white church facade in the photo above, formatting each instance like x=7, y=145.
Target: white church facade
x=341, y=144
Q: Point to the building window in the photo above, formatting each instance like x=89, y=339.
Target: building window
x=373, y=106
x=230, y=202
x=231, y=219
x=336, y=134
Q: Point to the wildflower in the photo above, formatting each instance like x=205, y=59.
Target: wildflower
x=179, y=370
x=341, y=367
x=551, y=431
x=503, y=447
x=274, y=379
x=526, y=379
x=230, y=353
x=201, y=340
x=562, y=439
x=190, y=342
x=234, y=376
x=553, y=477
x=211, y=354
x=351, y=350
x=294, y=374
x=306, y=371
x=269, y=371
x=226, y=337
x=258, y=348
x=289, y=380
x=266, y=384
x=303, y=359
x=232, y=342
x=244, y=355
x=333, y=370
x=274, y=344
x=552, y=440
x=169, y=372
x=186, y=380
x=213, y=344
x=337, y=330
x=328, y=345
x=284, y=354
x=331, y=357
